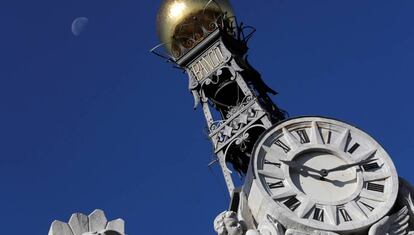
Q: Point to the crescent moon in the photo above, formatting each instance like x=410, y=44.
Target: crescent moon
x=79, y=25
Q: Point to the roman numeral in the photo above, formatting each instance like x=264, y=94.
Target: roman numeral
x=318, y=214
x=375, y=187
x=345, y=215
x=304, y=138
x=328, y=140
x=353, y=148
x=292, y=203
x=272, y=163
x=276, y=185
x=370, y=166
x=367, y=206
x=282, y=145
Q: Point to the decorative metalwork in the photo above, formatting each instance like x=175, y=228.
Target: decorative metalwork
x=211, y=46
x=239, y=115
x=183, y=24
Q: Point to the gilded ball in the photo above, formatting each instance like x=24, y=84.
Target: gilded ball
x=181, y=24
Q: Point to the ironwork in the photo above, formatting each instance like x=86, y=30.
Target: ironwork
x=233, y=97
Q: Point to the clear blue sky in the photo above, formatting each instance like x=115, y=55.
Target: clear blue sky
x=95, y=121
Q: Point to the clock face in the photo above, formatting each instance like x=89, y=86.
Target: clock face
x=325, y=174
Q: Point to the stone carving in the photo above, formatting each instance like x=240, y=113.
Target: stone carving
x=402, y=222
x=80, y=224
x=316, y=232
x=405, y=198
x=399, y=223
x=269, y=227
x=227, y=223
x=394, y=224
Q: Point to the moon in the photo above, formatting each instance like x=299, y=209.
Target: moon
x=79, y=25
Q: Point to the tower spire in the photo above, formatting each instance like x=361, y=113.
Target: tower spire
x=204, y=38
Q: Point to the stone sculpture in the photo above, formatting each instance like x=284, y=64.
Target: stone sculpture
x=400, y=222
x=94, y=224
x=269, y=227
x=227, y=223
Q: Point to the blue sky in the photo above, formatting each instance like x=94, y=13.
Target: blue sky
x=95, y=121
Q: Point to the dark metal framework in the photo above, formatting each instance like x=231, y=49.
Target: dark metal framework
x=233, y=97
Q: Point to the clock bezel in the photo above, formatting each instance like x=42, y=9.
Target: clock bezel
x=289, y=217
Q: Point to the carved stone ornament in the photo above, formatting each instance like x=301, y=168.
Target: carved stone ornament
x=80, y=224
x=227, y=223
x=399, y=222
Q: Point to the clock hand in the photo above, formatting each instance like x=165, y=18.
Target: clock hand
x=300, y=167
x=344, y=167
x=334, y=182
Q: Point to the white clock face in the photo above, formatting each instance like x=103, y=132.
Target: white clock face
x=325, y=174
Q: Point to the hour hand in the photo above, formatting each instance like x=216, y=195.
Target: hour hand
x=300, y=167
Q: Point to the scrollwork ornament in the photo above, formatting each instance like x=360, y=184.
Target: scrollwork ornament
x=215, y=125
x=232, y=111
x=232, y=71
x=192, y=86
x=242, y=140
x=249, y=98
x=236, y=66
x=196, y=97
x=211, y=80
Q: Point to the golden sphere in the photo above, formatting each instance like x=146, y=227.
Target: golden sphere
x=182, y=24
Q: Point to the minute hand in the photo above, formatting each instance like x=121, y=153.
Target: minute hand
x=344, y=167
